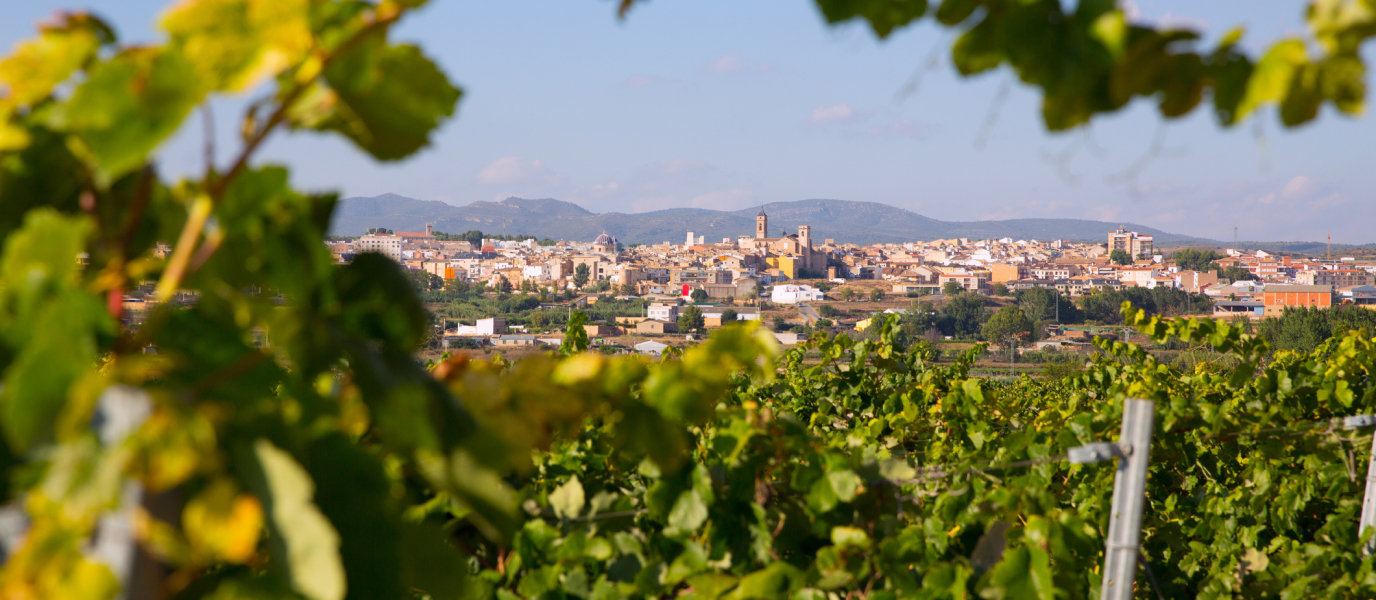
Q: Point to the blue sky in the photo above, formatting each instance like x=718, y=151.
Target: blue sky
x=726, y=104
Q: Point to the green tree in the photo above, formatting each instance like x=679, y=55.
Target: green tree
x=876, y=295
x=967, y=314
x=1000, y=289
x=1195, y=260
x=779, y=324
x=581, y=274
x=1009, y=325
x=1039, y=304
x=951, y=288
x=503, y=286
x=1303, y=329
x=575, y=335
x=828, y=311
x=691, y=319
x=1120, y=257
x=698, y=295
x=728, y=316
x=1235, y=273
x=847, y=293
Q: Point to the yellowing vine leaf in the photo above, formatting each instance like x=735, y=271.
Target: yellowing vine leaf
x=239, y=43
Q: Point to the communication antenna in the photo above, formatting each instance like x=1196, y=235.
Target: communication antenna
x=1329, y=254
x=1235, y=235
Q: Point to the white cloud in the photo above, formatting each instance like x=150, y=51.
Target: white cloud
x=1300, y=192
x=724, y=200
x=1298, y=186
x=840, y=113
x=604, y=189
x=514, y=169
x=728, y=63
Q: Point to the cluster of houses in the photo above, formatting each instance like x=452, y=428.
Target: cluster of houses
x=759, y=265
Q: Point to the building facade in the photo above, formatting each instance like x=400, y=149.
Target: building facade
x=1277, y=298
x=1134, y=244
x=385, y=244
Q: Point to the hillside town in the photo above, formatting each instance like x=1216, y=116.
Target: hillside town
x=774, y=267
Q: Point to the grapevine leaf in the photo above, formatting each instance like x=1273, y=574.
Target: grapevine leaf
x=223, y=523
x=567, y=499
x=352, y=490
x=237, y=43
x=954, y=12
x=1023, y=573
x=1344, y=83
x=844, y=483
x=710, y=586
x=430, y=563
x=884, y=16
x=305, y=544
x=51, y=323
x=1270, y=79
x=36, y=66
x=689, y=512
x=387, y=99
x=1302, y=100
x=777, y=581
x=977, y=50
x=127, y=106
x=35, y=177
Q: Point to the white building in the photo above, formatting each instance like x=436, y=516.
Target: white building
x=792, y=294
x=386, y=245
x=536, y=272
x=493, y=326
x=663, y=312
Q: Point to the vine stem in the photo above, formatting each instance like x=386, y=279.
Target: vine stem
x=181, y=264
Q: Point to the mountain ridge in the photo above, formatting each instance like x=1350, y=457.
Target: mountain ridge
x=843, y=220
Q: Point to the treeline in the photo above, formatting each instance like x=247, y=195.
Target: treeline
x=1303, y=329
x=467, y=301
x=476, y=237
x=968, y=316
x=1190, y=259
x=527, y=310
x=1105, y=307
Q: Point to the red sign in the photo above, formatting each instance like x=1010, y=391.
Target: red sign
x=685, y=289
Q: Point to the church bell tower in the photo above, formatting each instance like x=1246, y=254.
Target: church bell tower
x=761, y=225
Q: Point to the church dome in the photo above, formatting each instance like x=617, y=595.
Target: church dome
x=605, y=240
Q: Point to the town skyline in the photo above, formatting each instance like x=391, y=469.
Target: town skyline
x=897, y=224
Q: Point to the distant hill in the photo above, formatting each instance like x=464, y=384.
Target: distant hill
x=842, y=220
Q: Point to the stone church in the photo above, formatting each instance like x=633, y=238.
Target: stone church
x=795, y=248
